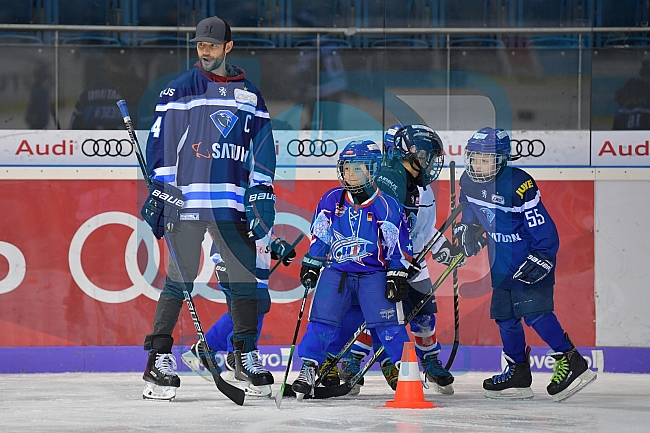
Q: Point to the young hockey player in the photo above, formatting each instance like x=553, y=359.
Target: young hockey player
x=211, y=160
x=219, y=335
x=359, y=236
x=414, y=159
x=522, y=245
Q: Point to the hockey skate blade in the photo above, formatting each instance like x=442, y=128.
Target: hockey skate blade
x=154, y=392
x=444, y=390
x=584, y=379
x=508, y=394
x=195, y=365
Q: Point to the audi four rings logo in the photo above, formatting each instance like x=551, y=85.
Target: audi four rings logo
x=111, y=147
x=318, y=147
x=527, y=148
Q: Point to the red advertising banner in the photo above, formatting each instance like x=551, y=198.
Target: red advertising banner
x=78, y=266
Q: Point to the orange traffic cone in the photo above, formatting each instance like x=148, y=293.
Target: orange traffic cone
x=409, y=394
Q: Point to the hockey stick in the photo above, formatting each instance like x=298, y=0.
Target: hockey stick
x=278, y=396
x=232, y=392
x=362, y=328
x=454, y=241
x=293, y=247
x=343, y=389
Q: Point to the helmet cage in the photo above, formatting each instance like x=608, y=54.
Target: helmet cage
x=362, y=159
x=474, y=158
x=422, y=147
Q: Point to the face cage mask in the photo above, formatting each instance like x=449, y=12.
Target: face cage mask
x=430, y=170
x=366, y=180
x=485, y=175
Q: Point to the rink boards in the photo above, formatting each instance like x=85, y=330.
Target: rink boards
x=79, y=269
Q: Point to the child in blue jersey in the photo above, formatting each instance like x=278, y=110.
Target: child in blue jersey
x=360, y=237
x=414, y=159
x=211, y=160
x=522, y=243
x=219, y=335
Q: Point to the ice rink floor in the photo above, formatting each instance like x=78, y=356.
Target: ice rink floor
x=112, y=402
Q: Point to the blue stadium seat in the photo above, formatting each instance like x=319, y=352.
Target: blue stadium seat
x=88, y=39
x=397, y=42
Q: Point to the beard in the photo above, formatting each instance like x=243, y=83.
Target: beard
x=212, y=65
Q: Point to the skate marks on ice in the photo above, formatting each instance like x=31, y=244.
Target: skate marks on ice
x=110, y=402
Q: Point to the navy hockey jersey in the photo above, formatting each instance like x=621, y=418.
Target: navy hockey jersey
x=516, y=222
x=211, y=137
x=360, y=238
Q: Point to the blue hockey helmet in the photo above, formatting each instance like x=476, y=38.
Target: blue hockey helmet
x=420, y=146
x=358, y=164
x=480, y=166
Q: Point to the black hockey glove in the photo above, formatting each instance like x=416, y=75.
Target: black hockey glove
x=413, y=269
x=536, y=267
x=446, y=254
x=471, y=241
x=310, y=271
x=162, y=206
x=259, y=202
x=222, y=274
x=282, y=250
x=397, y=286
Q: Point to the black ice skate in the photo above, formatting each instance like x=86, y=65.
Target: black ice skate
x=161, y=380
x=570, y=368
x=304, y=384
x=350, y=366
x=332, y=377
x=390, y=372
x=435, y=373
x=196, y=360
x=513, y=384
x=249, y=388
x=249, y=367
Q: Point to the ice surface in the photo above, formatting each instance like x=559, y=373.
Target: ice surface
x=112, y=402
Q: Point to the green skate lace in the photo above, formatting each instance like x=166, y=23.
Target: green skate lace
x=560, y=369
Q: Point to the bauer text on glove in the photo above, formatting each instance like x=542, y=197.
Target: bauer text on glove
x=534, y=269
x=162, y=206
x=259, y=202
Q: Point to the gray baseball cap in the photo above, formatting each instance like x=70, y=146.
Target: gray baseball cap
x=213, y=30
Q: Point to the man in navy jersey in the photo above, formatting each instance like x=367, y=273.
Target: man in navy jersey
x=522, y=243
x=211, y=159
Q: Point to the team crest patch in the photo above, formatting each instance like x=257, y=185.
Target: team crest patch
x=224, y=120
x=498, y=199
x=488, y=214
x=387, y=314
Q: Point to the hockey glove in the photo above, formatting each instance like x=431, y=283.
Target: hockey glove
x=471, y=241
x=397, y=286
x=281, y=250
x=535, y=268
x=414, y=269
x=310, y=271
x=259, y=202
x=162, y=206
x=446, y=254
x=222, y=275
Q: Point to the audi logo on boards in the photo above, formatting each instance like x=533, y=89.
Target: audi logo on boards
x=527, y=148
x=318, y=147
x=111, y=147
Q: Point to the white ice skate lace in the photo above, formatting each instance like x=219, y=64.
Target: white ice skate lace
x=307, y=374
x=253, y=363
x=166, y=364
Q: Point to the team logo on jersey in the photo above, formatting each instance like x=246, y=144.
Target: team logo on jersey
x=498, y=199
x=224, y=120
x=349, y=248
x=339, y=210
x=484, y=193
x=488, y=214
x=196, y=147
x=223, y=91
x=245, y=97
